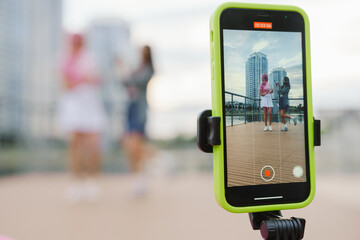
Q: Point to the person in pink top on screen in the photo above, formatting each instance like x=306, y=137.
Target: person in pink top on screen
x=82, y=117
x=266, y=100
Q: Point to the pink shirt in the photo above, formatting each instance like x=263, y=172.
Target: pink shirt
x=264, y=88
x=77, y=68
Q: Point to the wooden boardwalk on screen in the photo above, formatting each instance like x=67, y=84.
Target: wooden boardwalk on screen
x=250, y=148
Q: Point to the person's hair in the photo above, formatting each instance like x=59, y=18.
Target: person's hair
x=146, y=56
x=286, y=82
x=264, y=77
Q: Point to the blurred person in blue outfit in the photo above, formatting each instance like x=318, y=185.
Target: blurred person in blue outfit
x=134, y=141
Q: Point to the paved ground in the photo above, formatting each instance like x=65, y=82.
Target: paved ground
x=32, y=207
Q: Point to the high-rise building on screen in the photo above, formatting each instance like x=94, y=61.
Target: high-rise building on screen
x=256, y=65
x=276, y=76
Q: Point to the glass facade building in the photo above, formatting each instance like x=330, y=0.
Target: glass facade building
x=109, y=42
x=256, y=65
x=276, y=76
x=30, y=41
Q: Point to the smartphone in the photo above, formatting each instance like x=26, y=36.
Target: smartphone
x=260, y=62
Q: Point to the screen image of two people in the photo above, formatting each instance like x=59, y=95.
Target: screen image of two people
x=267, y=102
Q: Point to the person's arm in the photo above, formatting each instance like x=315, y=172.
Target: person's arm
x=140, y=78
x=122, y=70
x=65, y=83
x=92, y=75
x=261, y=92
x=284, y=90
x=62, y=69
x=68, y=84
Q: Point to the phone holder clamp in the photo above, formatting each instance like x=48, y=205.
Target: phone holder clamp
x=208, y=131
x=271, y=224
x=317, y=132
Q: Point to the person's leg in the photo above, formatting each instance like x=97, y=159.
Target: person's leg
x=290, y=117
x=75, y=155
x=130, y=141
x=265, y=115
x=286, y=115
x=83, y=153
x=91, y=166
x=74, y=191
x=282, y=113
x=94, y=154
x=124, y=144
x=131, y=150
x=270, y=115
x=137, y=149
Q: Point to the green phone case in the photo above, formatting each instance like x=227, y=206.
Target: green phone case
x=217, y=105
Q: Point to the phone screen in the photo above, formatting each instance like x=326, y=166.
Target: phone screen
x=264, y=106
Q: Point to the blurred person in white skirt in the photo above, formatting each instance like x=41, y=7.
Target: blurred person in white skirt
x=81, y=115
x=266, y=101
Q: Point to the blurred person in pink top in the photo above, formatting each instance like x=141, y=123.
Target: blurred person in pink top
x=82, y=117
x=266, y=100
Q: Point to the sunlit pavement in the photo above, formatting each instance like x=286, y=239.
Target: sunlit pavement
x=33, y=207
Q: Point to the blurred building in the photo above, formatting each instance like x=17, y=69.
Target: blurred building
x=109, y=42
x=12, y=64
x=256, y=65
x=276, y=76
x=30, y=40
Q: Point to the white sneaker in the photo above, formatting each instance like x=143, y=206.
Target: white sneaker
x=91, y=191
x=140, y=186
x=73, y=193
x=284, y=129
x=270, y=128
x=295, y=121
x=265, y=128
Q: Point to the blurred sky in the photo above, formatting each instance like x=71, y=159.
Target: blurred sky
x=178, y=32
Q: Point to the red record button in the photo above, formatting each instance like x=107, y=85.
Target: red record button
x=267, y=173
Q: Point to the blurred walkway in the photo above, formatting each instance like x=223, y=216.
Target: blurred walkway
x=32, y=207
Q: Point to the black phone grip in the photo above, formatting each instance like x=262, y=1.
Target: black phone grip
x=208, y=131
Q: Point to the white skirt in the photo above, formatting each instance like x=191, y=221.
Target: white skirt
x=81, y=110
x=266, y=101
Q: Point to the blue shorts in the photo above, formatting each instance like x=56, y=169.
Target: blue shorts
x=136, y=120
x=283, y=106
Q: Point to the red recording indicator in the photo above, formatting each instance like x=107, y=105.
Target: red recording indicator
x=263, y=25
